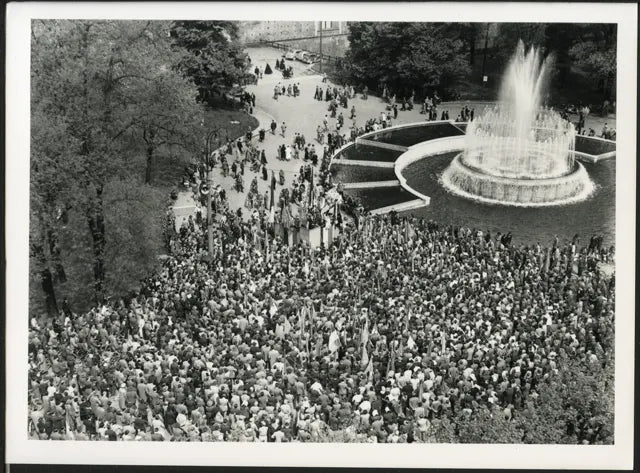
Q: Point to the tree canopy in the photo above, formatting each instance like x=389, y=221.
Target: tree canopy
x=106, y=95
x=448, y=56
x=214, y=58
x=411, y=56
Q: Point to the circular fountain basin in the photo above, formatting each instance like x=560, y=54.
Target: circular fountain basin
x=432, y=146
x=465, y=181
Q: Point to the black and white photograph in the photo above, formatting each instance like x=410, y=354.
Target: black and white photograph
x=239, y=225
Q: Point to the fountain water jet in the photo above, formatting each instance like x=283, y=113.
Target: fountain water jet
x=519, y=153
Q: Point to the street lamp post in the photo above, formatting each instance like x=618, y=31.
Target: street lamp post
x=210, y=136
x=484, y=56
x=321, y=47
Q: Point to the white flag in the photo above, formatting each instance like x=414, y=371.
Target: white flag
x=334, y=342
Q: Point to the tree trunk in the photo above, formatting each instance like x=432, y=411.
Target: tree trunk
x=95, y=219
x=611, y=86
x=54, y=250
x=472, y=45
x=49, y=292
x=148, y=137
x=46, y=279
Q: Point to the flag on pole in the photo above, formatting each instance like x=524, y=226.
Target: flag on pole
x=280, y=331
x=547, y=261
x=334, y=342
x=272, y=207
x=369, y=370
x=365, y=331
x=411, y=343
x=287, y=326
x=365, y=358
x=273, y=309
x=303, y=316
x=356, y=300
x=443, y=341
x=392, y=359
x=68, y=431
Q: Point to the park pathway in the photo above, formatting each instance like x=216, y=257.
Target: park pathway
x=303, y=114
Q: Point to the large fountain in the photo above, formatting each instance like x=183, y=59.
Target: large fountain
x=519, y=153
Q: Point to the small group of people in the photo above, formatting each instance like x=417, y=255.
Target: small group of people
x=340, y=96
x=608, y=133
x=291, y=90
x=287, y=71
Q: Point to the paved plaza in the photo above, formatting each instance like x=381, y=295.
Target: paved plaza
x=303, y=114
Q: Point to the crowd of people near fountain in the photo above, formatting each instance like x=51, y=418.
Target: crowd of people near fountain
x=399, y=324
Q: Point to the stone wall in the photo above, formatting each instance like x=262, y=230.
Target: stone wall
x=256, y=31
x=299, y=35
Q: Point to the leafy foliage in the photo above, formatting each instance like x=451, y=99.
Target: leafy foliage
x=212, y=57
x=418, y=56
x=575, y=406
x=595, y=52
x=445, y=57
x=101, y=91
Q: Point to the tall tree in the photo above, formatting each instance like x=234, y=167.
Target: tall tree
x=405, y=56
x=214, y=58
x=507, y=37
x=92, y=83
x=595, y=52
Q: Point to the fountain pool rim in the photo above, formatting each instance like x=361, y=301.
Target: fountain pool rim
x=438, y=146
x=435, y=146
x=579, y=173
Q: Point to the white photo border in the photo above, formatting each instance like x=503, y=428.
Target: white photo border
x=19, y=449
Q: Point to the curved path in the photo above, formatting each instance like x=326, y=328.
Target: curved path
x=301, y=114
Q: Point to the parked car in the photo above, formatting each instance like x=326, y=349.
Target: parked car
x=310, y=58
x=289, y=55
x=298, y=54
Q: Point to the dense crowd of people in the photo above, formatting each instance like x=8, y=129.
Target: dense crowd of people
x=397, y=323
x=400, y=322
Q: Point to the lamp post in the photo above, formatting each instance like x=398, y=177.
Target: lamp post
x=484, y=56
x=213, y=133
x=321, y=47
